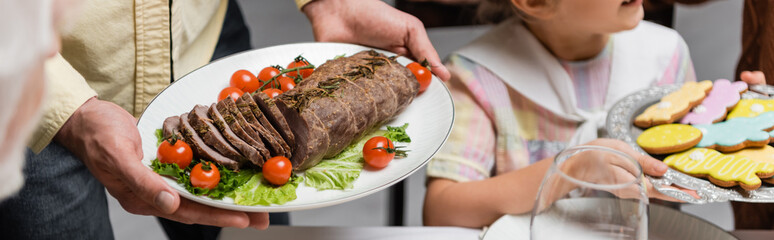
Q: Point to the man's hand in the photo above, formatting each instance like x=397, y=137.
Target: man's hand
x=104, y=136
x=373, y=23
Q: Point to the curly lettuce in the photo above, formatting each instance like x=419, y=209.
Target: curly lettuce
x=259, y=192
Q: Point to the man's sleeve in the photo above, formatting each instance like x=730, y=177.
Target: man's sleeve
x=67, y=90
x=300, y=3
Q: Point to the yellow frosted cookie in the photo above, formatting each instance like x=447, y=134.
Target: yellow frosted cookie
x=751, y=108
x=763, y=154
x=674, y=105
x=669, y=138
x=722, y=170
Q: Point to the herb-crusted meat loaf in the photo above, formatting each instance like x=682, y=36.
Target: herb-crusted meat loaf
x=343, y=99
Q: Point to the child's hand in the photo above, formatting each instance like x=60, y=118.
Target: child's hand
x=650, y=166
x=753, y=78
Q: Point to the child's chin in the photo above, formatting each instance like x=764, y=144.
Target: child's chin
x=631, y=22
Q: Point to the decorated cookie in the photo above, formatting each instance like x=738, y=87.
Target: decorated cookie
x=674, y=105
x=738, y=133
x=763, y=154
x=722, y=170
x=669, y=138
x=751, y=108
x=724, y=96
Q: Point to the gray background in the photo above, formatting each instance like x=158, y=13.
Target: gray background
x=712, y=32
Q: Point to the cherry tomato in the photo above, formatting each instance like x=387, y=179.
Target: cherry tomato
x=277, y=170
x=286, y=83
x=378, y=152
x=422, y=74
x=300, y=63
x=272, y=92
x=235, y=93
x=267, y=73
x=205, y=176
x=175, y=151
x=245, y=81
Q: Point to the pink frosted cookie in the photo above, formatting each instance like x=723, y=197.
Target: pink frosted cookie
x=723, y=96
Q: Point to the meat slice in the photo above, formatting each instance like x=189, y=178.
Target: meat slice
x=222, y=124
x=275, y=117
x=311, y=137
x=171, y=127
x=200, y=148
x=258, y=146
x=231, y=122
x=260, y=123
x=230, y=106
x=245, y=149
x=211, y=135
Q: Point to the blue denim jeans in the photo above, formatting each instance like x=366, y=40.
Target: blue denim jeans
x=60, y=200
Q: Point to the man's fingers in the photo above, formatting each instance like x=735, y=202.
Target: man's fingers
x=190, y=212
x=420, y=47
x=149, y=186
x=259, y=220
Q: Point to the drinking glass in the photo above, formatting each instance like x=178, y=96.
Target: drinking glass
x=591, y=192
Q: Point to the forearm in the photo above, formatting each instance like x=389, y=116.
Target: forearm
x=480, y=203
x=67, y=91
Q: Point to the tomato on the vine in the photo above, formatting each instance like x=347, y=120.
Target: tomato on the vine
x=300, y=62
x=205, y=176
x=267, y=73
x=378, y=152
x=422, y=74
x=235, y=93
x=272, y=92
x=175, y=151
x=245, y=81
x=277, y=170
x=286, y=83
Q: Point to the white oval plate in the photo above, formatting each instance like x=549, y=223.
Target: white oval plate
x=430, y=117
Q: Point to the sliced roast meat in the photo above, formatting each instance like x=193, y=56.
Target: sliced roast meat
x=337, y=121
x=233, y=123
x=311, y=137
x=274, y=147
x=275, y=117
x=342, y=100
x=171, y=127
x=257, y=118
x=222, y=124
x=402, y=82
x=200, y=148
x=249, y=153
x=210, y=134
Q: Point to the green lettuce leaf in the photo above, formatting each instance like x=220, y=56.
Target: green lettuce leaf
x=258, y=192
x=340, y=171
x=159, y=137
x=229, y=180
x=398, y=134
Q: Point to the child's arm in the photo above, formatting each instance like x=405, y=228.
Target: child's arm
x=480, y=203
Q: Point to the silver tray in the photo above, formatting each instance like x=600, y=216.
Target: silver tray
x=619, y=126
